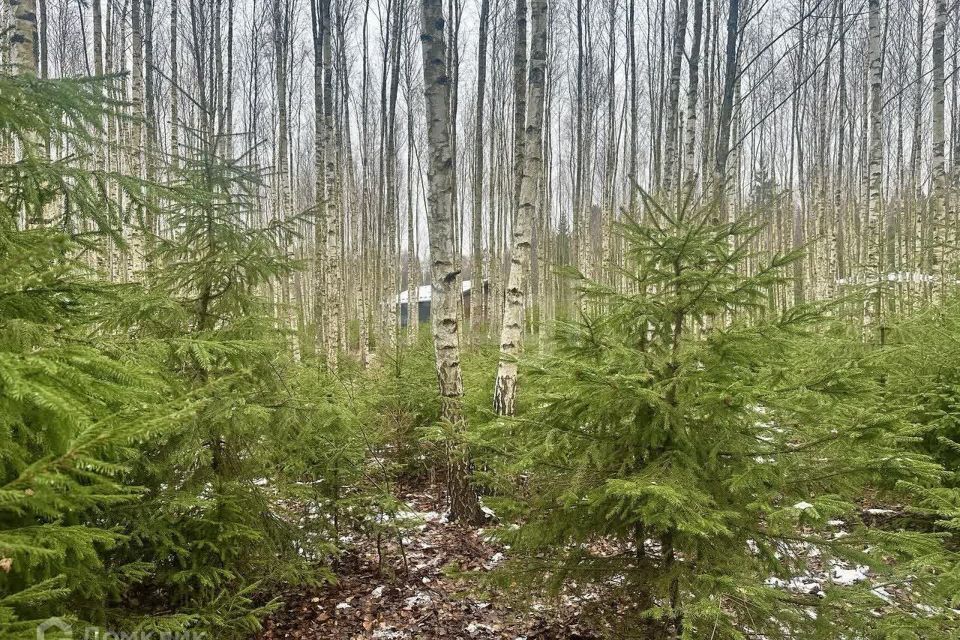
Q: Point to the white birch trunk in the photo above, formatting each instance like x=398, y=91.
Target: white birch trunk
x=464, y=504
x=23, y=35
x=938, y=192
x=875, y=169
x=511, y=332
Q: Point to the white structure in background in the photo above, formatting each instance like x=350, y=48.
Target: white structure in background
x=911, y=277
x=424, y=294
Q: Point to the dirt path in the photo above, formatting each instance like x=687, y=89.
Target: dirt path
x=425, y=601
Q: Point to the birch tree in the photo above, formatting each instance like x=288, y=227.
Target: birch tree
x=511, y=332
x=464, y=504
x=476, y=265
x=875, y=159
x=939, y=189
x=673, y=97
x=334, y=327
x=23, y=35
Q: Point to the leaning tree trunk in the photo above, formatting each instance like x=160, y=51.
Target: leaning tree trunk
x=511, y=332
x=464, y=504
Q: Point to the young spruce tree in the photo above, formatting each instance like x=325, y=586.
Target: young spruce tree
x=72, y=410
x=692, y=468
x=215, y=521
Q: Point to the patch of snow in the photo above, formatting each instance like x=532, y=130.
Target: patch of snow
x=844, y=576
x=343, y=605
x=884, y=595
x=474, y=628
x=805, y=584
x=879, y=512
x=378, y=592
x=799, y=584
x=803, y=505
x=836, y=523
x=417, y=600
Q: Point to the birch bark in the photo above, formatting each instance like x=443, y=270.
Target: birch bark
x=464, y=504
x=511, y=333
x=938, y=192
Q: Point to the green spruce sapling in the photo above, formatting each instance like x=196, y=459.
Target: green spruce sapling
x=686, y=462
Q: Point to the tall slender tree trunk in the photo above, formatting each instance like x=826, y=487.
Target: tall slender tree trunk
x=174, y=81
x=511, y=333
x=413, y=260
x=333, y=261
x=693, y=87
x=633, y=181
x=731, y=70
x=612, y=150
x=464, y=503
x=282, y=36
x=577, y=235
x=939, y=190
x=875, y=169
x=476, y=266
x=392, y=210
x=136, y=258
x=839, y=201
x=519, y=97
x=319, y=184
x=671, y=161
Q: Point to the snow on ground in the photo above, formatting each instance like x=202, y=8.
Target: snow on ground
x=425, y=600
x=417, y=592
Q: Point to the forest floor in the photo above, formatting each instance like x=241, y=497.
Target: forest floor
x=429, y=595
x=431, y=587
